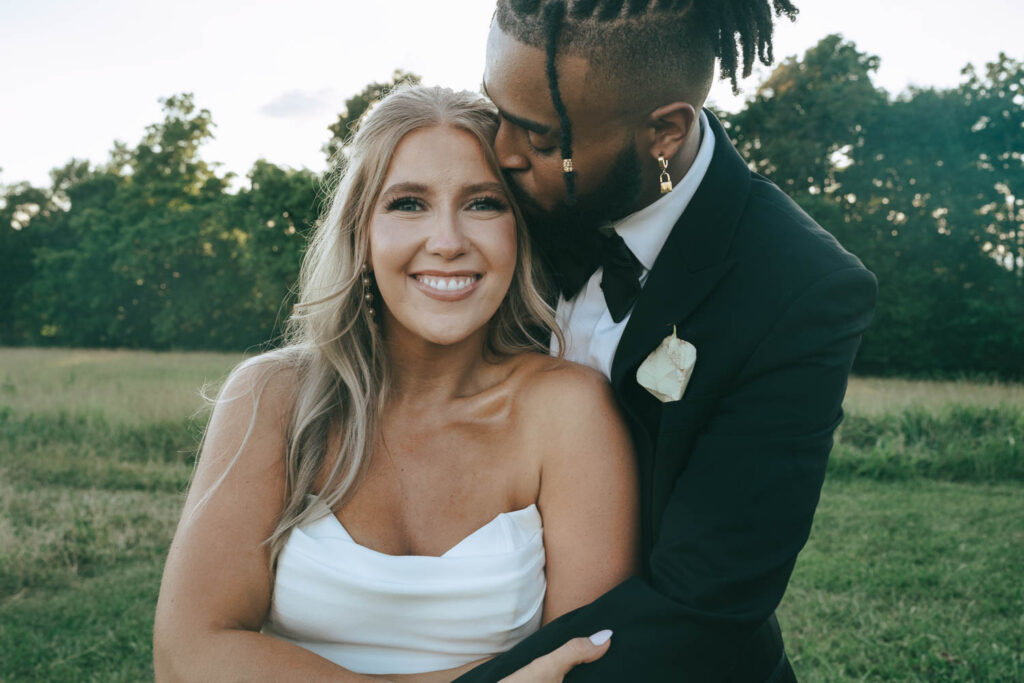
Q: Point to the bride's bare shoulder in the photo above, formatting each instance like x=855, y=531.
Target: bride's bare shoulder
x=272, y=377
x=554, y=388
x=258, y=395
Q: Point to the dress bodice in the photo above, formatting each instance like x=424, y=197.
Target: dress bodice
x=371, y=612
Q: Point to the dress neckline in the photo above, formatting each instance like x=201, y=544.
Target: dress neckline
x=333, y=519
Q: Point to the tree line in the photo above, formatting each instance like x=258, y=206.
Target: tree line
x=155, y=248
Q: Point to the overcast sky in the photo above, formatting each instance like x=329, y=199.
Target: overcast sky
x=75, y=76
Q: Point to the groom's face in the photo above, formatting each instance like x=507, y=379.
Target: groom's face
x=605, y=154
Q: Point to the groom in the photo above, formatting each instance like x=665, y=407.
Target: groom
x=654, y=226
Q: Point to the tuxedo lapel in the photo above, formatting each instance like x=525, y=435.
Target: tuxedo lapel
x=693, y=259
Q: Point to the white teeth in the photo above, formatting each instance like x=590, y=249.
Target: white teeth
x=446, y=284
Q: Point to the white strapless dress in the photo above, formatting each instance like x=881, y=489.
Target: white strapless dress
x=376, y=613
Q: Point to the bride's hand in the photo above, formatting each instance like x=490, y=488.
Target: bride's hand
x=552, y=667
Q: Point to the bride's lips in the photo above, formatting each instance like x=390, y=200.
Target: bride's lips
x=447, y=286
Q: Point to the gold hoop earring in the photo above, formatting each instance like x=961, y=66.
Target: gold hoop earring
x=665, y=179
x=368, y=292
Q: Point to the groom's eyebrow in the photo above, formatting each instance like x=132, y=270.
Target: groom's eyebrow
x=532, y=126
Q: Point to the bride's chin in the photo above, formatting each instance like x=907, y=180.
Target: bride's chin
x=442, y=329
x=450, y=337
x=438, y=334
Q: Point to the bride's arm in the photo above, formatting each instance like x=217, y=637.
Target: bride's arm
x=216, y=586
x=441, y=676
x=588, y=488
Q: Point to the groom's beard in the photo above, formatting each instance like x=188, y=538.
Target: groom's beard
x=567, y=237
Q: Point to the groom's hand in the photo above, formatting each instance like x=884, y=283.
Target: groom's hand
x=552, y=667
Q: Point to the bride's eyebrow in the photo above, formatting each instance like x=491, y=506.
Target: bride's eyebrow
x=402, y=188
x=475, y=188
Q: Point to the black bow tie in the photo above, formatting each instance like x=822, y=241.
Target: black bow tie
x=620, y=278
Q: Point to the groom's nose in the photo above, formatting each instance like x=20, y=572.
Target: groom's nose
x=506, y=148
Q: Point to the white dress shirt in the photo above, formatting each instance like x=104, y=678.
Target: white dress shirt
x=591, y=336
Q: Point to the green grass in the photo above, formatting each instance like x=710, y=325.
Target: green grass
x=917, y=580
x=98, y=629
x=913, y=570
x=957, y=443
x=124, y=387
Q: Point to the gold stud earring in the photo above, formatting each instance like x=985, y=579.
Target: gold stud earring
x=368, y=291
x=665, y=179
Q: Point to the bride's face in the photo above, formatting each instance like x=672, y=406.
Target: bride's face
x=442, y=238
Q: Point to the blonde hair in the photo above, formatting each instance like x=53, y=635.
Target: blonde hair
x=333, y=347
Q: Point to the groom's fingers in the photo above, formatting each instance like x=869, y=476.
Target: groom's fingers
x=552, y=667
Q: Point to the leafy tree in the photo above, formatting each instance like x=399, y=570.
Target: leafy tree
x=130, y=260
x=152, y=249
x=173, y=255
x=909, y=186
x=809, y=116
x=994, y=102
x=20, y=205
x=276, y=213
x=72, y=284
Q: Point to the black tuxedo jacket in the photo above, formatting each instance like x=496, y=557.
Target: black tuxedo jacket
x=731, y=473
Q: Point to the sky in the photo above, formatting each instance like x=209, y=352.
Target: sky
x=76, y=76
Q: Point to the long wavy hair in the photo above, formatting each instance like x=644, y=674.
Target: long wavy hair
x=333, y=347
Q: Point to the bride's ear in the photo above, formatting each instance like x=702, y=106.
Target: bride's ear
x=668, y=128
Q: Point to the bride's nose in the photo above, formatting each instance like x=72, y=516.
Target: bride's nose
x=447, y=237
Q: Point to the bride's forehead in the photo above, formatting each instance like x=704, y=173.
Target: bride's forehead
x=439, y=155
x=438, y=146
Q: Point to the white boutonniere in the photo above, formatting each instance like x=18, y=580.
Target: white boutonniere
x=666, y=371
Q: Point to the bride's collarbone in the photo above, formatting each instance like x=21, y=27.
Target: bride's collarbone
x=439, y=472
x=425, y=501
x=422, y=524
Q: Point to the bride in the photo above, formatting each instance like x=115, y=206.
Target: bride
x=410, y=485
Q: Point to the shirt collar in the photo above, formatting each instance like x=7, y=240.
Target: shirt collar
x=646, y=230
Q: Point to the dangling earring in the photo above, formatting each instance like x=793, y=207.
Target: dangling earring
x=368, y=291
x=664, y=178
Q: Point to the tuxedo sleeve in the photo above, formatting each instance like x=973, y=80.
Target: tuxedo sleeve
x=739, y=513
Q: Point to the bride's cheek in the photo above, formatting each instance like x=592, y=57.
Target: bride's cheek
x=505, y=248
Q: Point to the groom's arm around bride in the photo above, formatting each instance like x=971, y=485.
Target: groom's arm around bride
x=731, y=473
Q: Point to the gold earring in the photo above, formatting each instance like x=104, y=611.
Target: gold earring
x=664, y=178
x=368, y=291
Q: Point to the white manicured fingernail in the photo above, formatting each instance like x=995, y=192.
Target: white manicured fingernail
x=601, y=637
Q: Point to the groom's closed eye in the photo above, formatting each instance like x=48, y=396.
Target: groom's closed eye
x=541, y=144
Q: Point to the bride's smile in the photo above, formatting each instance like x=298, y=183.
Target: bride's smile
x=447, y=286
x=442, y=237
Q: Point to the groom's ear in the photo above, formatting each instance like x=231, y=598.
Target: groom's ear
x=668, y=127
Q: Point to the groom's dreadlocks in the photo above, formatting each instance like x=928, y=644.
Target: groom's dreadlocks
x=645, y=47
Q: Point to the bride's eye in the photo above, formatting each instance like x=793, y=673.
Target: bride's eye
x=488, y=204
x=404, y=204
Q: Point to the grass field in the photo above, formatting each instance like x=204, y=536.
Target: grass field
x=913, y=571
